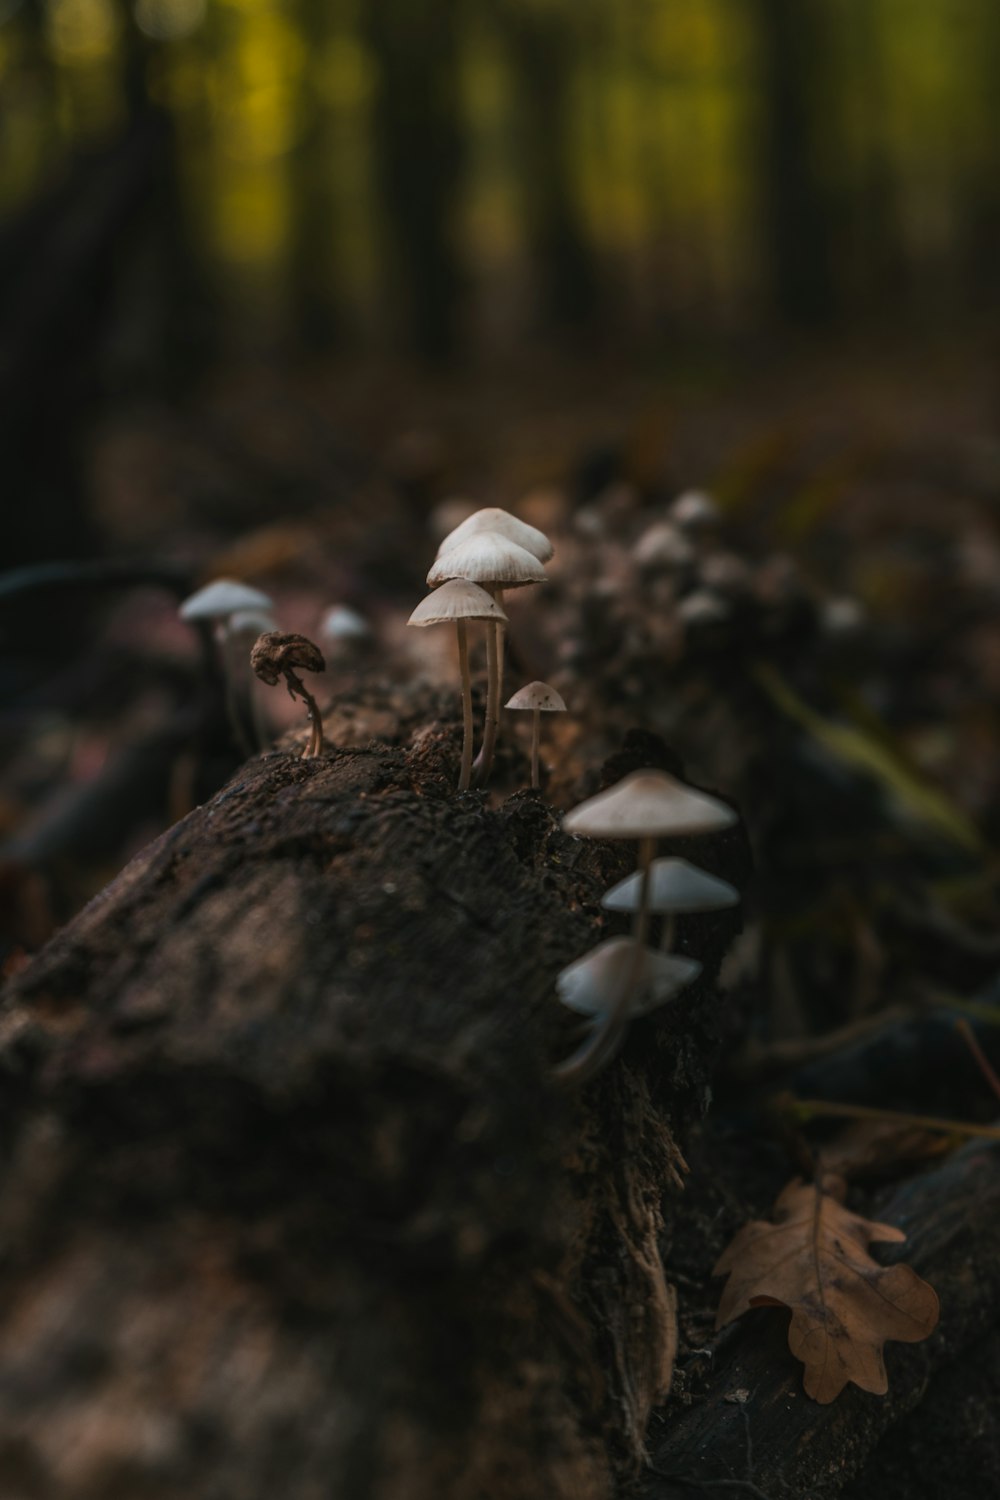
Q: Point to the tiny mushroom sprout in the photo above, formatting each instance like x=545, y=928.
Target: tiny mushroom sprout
x=213, y=607
x=539, y=698
x=695, y=512
x=277, y=654
x=457, y=602
x=496, y=563
x=343, y=631
x=675, y=886
x=645, y=805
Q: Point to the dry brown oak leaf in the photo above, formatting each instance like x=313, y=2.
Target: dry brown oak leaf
x=845, y=1306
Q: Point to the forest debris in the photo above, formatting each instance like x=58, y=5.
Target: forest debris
x=814, y=1260
x=855, y=746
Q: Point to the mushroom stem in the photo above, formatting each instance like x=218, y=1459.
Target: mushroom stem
x=297, y=688
x=225, y=640
x=647, y=849
x=536, y=727
x=465, y=776
x=668, y=933
x=494, y=677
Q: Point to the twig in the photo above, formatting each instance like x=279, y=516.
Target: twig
x=806, y=1109
x=985, y=1066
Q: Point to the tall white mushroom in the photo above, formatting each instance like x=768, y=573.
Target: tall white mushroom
x=539, y=698
x=495, y=563
x=645, y=805
x=457, y=602
x=212, y=607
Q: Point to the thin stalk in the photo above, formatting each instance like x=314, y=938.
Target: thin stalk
x=536, y=729
x=494, y=679
x=465, y=776
x=225, y=638
x=669, y=932
x=982, y=1061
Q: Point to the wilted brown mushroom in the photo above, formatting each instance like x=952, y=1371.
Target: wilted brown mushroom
x=276, y=654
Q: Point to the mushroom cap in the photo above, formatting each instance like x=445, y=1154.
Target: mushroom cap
x=250, y=622
x=703, y=608
x=492, y=518
x=648, y=804
x=280, y=651
x=487, y=557
x=695, y=511
x=458, y=599
x=675, y=885
x=221, y=598
x=341, y=623
x=591, y=984
x=537, y=695
x=663, y=545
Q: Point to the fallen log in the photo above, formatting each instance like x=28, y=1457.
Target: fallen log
x=289, y=1200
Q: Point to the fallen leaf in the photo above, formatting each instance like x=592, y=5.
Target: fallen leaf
x=845, y=1306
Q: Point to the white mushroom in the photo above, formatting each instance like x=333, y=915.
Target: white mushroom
x=459, y=601
x=695, y=512
x=675, y=886
x=591, y=985
x=492, y=518
x=496, y=563
x=212, y=607
x=539, y=698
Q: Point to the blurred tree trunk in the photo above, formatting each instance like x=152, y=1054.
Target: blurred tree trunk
x=800, y=215
x=418, y=159
x=539, y=43
x=316, y=305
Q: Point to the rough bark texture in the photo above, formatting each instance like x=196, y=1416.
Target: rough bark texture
x=289, y=1203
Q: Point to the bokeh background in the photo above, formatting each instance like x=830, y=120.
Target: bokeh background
x=282, y=280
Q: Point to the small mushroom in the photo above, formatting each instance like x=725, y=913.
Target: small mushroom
x=212, y=607
x=240, y=632
x=344, y=632
x=277, y=654
x=591, y=984
x=459, y=601
x=502, y=523
x=496, y=563
x=695, y=512
x=539, y=698
x=675, y=886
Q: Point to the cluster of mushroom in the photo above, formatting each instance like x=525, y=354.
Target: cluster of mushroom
x=488, y=553
x=623, y=976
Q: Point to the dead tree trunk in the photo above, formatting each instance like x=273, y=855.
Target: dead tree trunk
x=290, y=1203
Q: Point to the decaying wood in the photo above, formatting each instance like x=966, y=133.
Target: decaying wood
x=289, y=1202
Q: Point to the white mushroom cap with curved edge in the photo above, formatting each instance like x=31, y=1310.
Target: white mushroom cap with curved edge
x=695, y=511
x=221, y=598
x=487, y=557
x=648, y=804
x=458, y=599
x=674, y=885
x=503, y=524
x=592, y=984
x=537, y=695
